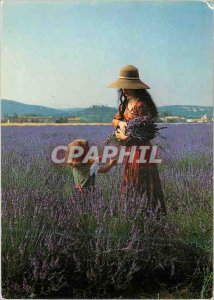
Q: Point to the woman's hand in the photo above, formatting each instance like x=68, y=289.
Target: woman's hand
x=121, y=135
x=122, y=125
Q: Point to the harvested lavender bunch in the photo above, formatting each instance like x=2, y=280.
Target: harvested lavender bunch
x=143, y=128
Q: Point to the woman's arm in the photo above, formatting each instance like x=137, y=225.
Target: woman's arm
x=128, y=141
x=142, y=110
x=116, y=120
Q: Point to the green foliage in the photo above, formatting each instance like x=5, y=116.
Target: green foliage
x=30, y=115
x=164, y=114
x=62, y=120
x=97, y=114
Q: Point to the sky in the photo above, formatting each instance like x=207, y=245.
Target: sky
x=63, y=54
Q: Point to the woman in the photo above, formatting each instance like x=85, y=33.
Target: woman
x=135, y=101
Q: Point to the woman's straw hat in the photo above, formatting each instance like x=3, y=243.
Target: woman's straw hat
x=128, y=79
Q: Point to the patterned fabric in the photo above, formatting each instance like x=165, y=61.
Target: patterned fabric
x=144, y=176
x=140, y=109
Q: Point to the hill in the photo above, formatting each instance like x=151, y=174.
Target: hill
x=187, y=111
x=11, y=107
x=97, y=113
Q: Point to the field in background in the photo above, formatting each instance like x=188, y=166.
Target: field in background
x=54, y=244
x=75, y=124
x=52, y=124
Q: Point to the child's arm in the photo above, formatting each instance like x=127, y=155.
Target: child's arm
x=107, y=167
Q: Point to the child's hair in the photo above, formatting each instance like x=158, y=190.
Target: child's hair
x=76, y=161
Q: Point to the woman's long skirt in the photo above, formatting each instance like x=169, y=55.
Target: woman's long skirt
x=144, y=178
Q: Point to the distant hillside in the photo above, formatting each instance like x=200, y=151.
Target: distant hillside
x=71, y=110
x=10, y=108
x=104, y=114
x=97, y=113
x=187, y=111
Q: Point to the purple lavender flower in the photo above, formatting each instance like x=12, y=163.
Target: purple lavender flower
x=143, y=128
x=52, y=238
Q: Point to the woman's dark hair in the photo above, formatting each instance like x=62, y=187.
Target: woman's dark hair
x=123, y=100
x=143, y=96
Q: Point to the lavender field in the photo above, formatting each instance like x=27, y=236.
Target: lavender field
x=55, y=245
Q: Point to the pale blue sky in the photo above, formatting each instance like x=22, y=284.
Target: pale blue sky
x=63, y=54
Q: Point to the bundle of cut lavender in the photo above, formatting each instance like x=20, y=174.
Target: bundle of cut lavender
x=141, y=128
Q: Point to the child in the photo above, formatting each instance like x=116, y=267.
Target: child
x=84, y=173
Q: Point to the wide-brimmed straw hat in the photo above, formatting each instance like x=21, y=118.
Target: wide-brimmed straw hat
x=128, y=79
